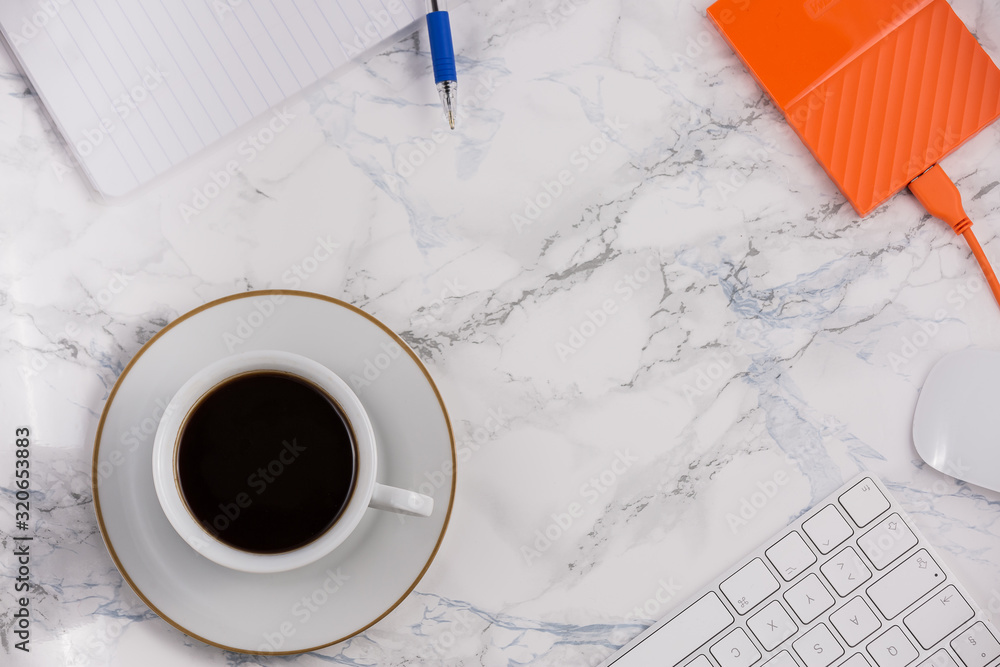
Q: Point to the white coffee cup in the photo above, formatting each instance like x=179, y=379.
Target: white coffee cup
x=367, y=492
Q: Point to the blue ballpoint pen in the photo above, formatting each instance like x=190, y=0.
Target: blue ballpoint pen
x=443, y=58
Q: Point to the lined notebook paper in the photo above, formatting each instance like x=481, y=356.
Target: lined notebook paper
x=137, y=86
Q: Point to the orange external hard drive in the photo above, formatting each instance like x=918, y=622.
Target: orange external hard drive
x=878, y=90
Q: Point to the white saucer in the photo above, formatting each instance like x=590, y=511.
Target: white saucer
x=339, y=595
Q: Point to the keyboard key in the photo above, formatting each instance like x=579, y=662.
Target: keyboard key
x=818, y=647
x=846, y=571
x=750, y=586
x=892, y=649
x=808, y=599
x=819, y=593
x=790, y=556
x=976, y=647
x=905, y=584
x=772, y=625
x=827, y=529
x=783, y=659
x=864, y=502
x=940, y=659
x=735, y=650
x=887, y=541
x=681, y=636
x=856, y=660
x=855, y=621
x=938, y=617
x=700, y=661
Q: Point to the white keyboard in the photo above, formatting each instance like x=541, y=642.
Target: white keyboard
x=850, y=584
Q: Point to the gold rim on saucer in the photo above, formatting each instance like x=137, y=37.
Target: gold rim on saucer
x=149, y=343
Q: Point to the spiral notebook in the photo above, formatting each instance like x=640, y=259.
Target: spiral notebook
x=136, y=87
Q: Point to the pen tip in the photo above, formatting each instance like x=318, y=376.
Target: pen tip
x=449, y=100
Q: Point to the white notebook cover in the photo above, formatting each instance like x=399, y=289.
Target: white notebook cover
x=138, y=86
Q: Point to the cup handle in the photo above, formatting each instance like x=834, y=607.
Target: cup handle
x=401, y=501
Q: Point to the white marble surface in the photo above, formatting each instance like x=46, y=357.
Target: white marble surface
x=757, y=324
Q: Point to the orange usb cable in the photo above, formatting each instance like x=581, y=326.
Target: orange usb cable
x=939, y=195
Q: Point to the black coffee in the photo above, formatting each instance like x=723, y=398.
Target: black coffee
x=266, y=462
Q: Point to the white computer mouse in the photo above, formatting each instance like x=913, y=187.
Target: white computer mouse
x=956, y=426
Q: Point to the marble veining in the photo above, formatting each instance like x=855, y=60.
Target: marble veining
x=622, y=249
